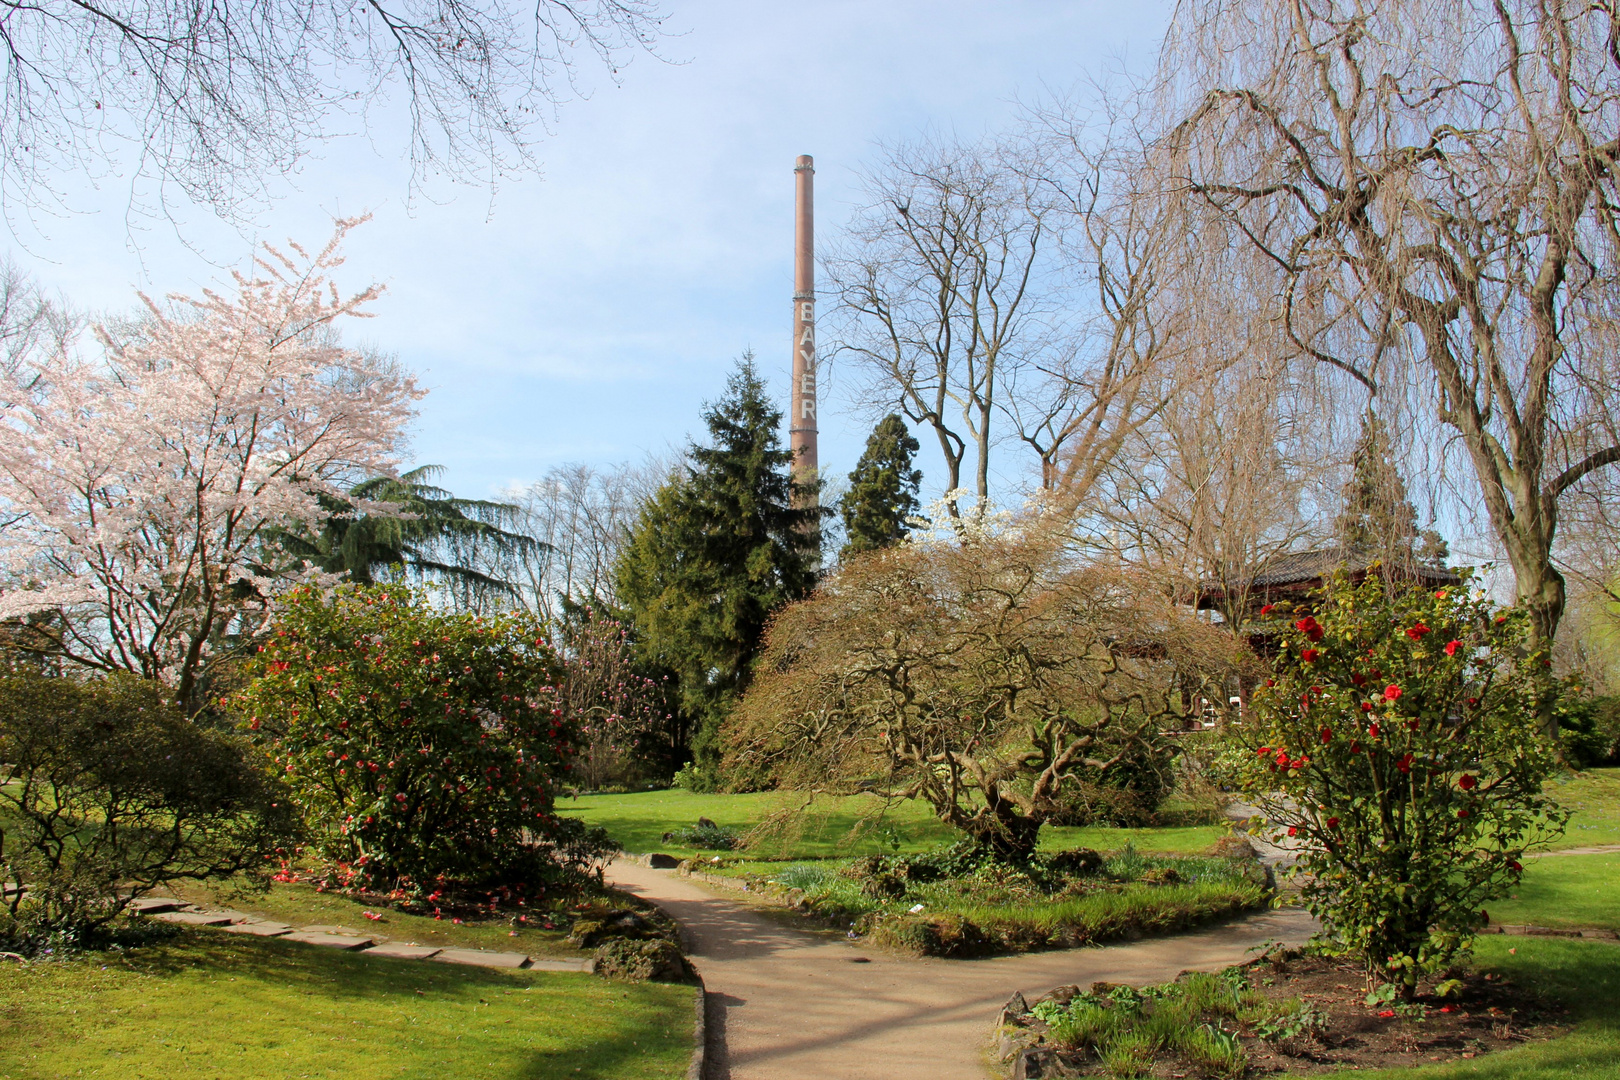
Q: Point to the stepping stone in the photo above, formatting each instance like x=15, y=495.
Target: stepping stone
x=479, y=958
x=196, y=918
x=153, y=905
x=323, y=929
x=562, y=965
x=259, y=929
x=331, y=941
x=404, y=952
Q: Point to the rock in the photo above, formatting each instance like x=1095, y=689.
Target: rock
x=585, y=933
x=639, y=961
x=1062, y=995
x=1234, y=847
x=796, y=900
x=659, y=861
x=1016, y=1006
x=705, y=823
x=668, y=837
x=1039, y=1063
x=1077, y=862
x=1161, y=875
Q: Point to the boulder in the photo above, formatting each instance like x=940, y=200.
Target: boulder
x=639, y=961
x=705, y=823
x=1077, y=862
x=659, y=861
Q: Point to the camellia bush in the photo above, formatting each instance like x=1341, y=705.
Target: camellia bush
x=424, y=747
x=1399, y=745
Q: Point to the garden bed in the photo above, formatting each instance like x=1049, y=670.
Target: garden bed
x=1287, y=1013
x=934, y=904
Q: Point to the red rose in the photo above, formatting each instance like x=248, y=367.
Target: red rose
x=1309, y=656
x=1451, y=647
x=1466, y=782
x=1392, y=692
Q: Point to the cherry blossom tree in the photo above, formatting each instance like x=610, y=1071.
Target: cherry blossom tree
x=141, y=488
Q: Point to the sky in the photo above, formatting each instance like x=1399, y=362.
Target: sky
x=586, y=314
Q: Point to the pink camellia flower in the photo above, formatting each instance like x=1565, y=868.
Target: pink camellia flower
x=1392, y=692
x=1416, y=632
x=1452, y=647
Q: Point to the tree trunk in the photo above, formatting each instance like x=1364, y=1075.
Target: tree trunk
x=1010, y=835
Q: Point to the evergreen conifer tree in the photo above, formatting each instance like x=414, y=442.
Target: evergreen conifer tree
x=715, y=551
x=882, y=489
x=1378, y=519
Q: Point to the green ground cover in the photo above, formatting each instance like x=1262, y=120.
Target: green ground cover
x=1565, y=890
x=301, y=905
x=823, y=830
x=209, y=1006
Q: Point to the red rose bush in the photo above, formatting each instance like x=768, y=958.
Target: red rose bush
x=424, y=747
x=1399, y=744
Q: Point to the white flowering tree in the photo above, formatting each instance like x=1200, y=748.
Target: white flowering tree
x=140, y=489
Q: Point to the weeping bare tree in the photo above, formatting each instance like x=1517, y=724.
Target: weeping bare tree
x=1433, y=185
x=214, y=99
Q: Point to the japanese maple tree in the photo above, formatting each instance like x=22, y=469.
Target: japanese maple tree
x=139, y=487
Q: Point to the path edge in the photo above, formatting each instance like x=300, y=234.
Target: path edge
x=700, y=1031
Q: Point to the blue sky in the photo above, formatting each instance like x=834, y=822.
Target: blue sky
x=586, y=314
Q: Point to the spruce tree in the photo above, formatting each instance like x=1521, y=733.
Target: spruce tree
x=1378, y=519
x=715, y=551
x=882, y=489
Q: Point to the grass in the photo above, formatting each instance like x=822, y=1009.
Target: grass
x=639, y=821
x=212, y=1007
x=1594, y=795
x=1566, y=890
x=998, y=909
x=301, y=905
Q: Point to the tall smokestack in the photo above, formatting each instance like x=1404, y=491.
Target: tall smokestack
x=802, y=401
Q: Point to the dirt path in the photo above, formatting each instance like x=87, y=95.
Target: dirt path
x=788, y=1005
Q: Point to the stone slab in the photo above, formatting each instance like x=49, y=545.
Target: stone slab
x=196, y=918
x=153, y=905
x=479, y=958
x=404, y=952
x=330, y=941
x=259, y=929
x=323, y=929
x=537, y=964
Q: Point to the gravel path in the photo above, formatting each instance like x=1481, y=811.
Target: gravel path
x=784, y=1004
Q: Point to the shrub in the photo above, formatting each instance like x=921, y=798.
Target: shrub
x=423, y=746
x=110, y=792
x=705, y=836
x=1400, y=743
x=1591, y=730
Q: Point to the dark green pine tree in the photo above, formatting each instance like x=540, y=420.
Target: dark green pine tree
x=882, y=490
x=715, y=552
x=1378, y=520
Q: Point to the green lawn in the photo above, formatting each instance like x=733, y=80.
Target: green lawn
x=213, y=1007
x=301, y=905
x=1565, y=890
x=638, y=821
x=1594, y=795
